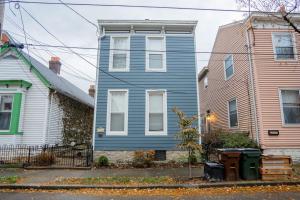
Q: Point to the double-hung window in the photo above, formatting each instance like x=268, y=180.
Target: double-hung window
x=155, y=54
x=290, y=100
x=232, y=113
x=283, y=45
x=6, y=104
x=117, y=112
x=228, y=67
x=156, y=112
x=119, y=54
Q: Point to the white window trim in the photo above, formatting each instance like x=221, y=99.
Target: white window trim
x=111, y=51
x=108, y=131
x=294, y=46
x=237, y=113
x=164, y=69
x=11, y=112
x=165, y=110
x=224, y=63
x=281, y=107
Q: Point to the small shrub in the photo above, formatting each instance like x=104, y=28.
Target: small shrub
x=238, y=140
x=102, y=161
x=219, y=138
x=45, y=159
x=193, y=159
x=143, y=158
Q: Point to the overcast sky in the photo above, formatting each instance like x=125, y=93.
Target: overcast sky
x=74, y=31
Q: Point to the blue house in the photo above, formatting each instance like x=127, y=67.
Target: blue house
x=146, y=68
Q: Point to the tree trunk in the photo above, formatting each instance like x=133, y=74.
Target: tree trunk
x=190, y=165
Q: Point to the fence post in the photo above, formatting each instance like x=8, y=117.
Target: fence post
x=28, y=160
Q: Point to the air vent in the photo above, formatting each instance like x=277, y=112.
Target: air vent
x=160, y=155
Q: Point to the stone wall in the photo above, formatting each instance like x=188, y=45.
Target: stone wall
x=294, y=153
x=127, y=156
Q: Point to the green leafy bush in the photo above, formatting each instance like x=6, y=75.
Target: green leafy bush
x=219, y=138
x=237, y=140
x=102, y=161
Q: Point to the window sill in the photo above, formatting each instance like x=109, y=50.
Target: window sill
x=286, y=60
x=116, y=134
x=155, y=70
x=10, y=133
x=291, y=125
x=227, y=79
x=114, y=70
x=147, y=133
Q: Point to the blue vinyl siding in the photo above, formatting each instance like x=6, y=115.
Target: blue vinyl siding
x=180, y=78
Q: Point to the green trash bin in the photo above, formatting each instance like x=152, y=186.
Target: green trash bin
x=249, y=163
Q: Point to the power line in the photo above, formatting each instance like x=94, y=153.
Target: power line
x=103, y=71
x=133, y=6
x=49, y=52
x=158, y=51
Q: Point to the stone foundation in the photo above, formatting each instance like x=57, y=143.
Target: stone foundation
x=294, y=153
x=127, y=156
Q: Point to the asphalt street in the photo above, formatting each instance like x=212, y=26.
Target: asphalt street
x=69, y=196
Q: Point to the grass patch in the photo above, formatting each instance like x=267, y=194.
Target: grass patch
x=8, y=179
x=118, y=180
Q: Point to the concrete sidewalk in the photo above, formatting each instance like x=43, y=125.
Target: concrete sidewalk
x=49, y=175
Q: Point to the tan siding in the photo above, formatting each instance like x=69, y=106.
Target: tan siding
x=270, y=76
x=229, y=39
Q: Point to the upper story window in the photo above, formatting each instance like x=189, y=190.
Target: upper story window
x=228, y=67
x=117, y=112
x=290, y=103
x=155, y=53
x=6, y=103
x=206, y=82
x=156, y=112
x=119, y=54
x=232, y=113
x=283, y=45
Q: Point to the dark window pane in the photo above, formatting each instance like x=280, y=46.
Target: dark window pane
x=119, y=61
x=117, y=122
x=155, y=61
x=156, y=122
x=233, y=119
x=285, y=53
x=229, y=72
x=5, y=118
x=291, y=114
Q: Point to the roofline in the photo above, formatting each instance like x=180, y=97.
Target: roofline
x=148, y=22
x=259, y=15
x=202, y=73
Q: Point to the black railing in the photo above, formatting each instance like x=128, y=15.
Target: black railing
x=50, y=156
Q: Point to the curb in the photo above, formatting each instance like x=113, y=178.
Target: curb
x=187, y=186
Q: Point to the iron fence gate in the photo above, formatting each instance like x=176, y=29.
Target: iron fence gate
x=47, y=156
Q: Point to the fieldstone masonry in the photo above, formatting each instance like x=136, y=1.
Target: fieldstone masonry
x=127, y=156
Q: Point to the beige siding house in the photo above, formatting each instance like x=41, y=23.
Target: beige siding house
x=254, y=83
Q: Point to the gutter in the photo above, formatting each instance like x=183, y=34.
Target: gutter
x=252, y=84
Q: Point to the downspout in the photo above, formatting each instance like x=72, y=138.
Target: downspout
x=100, y=36
x=252, y=84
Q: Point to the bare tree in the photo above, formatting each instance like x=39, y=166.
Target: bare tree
x=284, y=8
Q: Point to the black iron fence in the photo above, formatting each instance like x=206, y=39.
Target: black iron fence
x=47, y=156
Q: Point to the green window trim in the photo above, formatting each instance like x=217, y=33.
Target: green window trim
x=15, y=116
x=20, y=83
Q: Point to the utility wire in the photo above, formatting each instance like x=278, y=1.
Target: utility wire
x=105, y=72
x=89, y=21
x=131, y=6
x=158, y=51
x=49, y=52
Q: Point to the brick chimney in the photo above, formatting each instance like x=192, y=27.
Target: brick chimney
x=55, y=65
x=92, y=90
